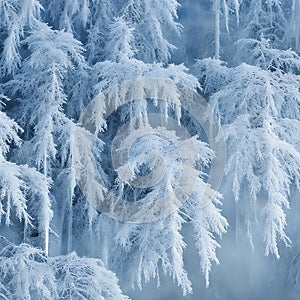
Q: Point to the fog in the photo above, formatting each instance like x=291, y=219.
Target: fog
x=243, y=273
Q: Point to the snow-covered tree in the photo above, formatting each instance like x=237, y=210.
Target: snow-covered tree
x=264, y=18
x=261, y=54
x=24, y=192
x=17, y=18
x=84, y=278
x=161, y=240
x=87, y=20
x=155, y=24
x=68, y=69
x=26, y=273
x=102, y=14
x=221, y=13
x=255, y=106
x=40, y=84
x=69, y=15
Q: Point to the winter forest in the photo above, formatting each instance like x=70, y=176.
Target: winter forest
x=150, y=149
